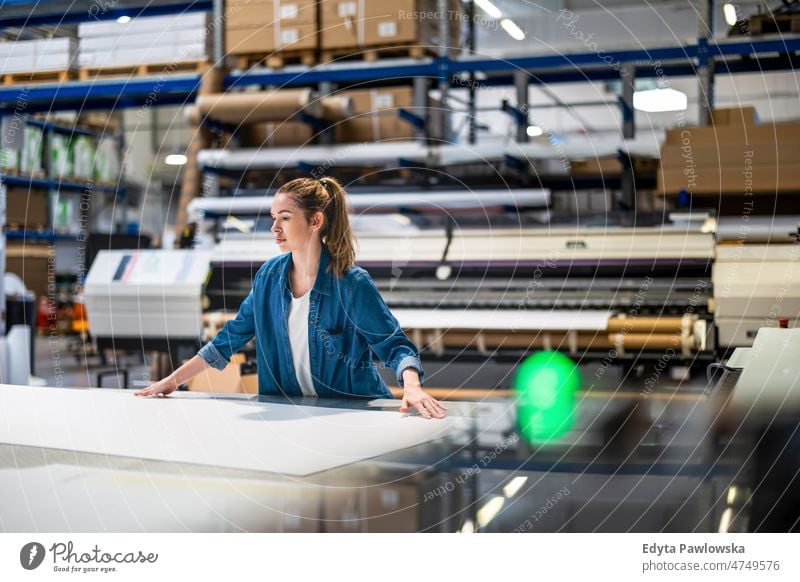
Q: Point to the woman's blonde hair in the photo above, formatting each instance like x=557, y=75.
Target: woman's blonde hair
x=326, y=195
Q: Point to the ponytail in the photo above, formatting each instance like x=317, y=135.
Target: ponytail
x=327, y=196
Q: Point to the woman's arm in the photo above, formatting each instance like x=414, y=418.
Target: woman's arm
x=382, y=332
x=180, y=376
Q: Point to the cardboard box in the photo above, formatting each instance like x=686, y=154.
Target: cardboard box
x=603, y=166
x=287, y=134
x=758, y=179
x=227, y=381
x=728, y=155
x=375, y=116
x=350, y=23
x=765, y=133
x=734, y=116
x=27, y=208
x=31, y=261
x=239, y=15
x=269, y=38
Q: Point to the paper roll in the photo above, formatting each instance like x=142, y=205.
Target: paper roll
x=646, y=341
x=645, y=324
x=238, y=108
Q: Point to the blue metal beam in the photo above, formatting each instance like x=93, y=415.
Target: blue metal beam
x=98, y=11
x=84, y=95
x=431, y=68
x=55, y=184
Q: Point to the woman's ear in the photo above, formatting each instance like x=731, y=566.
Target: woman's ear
x=317, y=221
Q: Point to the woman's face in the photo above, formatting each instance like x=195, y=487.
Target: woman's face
x=291, y=229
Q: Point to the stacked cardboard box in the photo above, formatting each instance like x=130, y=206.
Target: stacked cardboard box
x=36, y=56
x=33, y=263
x=265, y=26
x=355, y=24
x=144, y=40
x=287, y=134
x=735, y=156
x=27, y=208
x=375, y=115
x=229, y=380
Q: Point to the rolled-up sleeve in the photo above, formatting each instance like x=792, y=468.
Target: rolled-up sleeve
x=380, y=329
x=232, y=337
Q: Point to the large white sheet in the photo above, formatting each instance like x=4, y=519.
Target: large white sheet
x=190, y=428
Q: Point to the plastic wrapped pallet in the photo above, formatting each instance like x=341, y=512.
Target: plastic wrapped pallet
x=9, y=160
x=106, y=162
x=83, y=156
x=36, y=56
x=144, y=40
x=60, y=155
x=31, y=158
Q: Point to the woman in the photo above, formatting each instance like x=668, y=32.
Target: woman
x=317, y=319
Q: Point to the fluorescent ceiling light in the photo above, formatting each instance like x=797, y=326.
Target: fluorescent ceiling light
x=124, y=19
x=175, y=160
x=512, y=29
x=489, y=8
x=535, y=131
x=660, y=100
x=730, y=13
x=468, y=527
x=513, y=486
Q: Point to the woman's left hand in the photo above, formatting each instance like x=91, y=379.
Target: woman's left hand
x=415, y=396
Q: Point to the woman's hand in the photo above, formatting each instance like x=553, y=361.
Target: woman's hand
x=180, y=376
x=415, y=396
x=162, y=387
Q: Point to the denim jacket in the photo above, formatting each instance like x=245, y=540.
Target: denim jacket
x=348, y=322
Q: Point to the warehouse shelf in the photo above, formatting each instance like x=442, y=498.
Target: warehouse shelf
x=17, y=13
x=576, y=67
x=380, y=203
x=736, y=56
x=410, y=152
x=113, y=94
x=40, y=236
x=57, y=184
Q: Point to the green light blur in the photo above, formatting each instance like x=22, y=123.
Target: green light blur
x=546, y=383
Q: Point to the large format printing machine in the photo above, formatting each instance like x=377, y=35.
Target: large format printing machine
x=470, y=288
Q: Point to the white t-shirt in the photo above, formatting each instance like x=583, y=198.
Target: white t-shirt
x=298, y=340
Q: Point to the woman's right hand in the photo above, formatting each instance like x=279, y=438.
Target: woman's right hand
x=180, y=376
x=161, y=388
